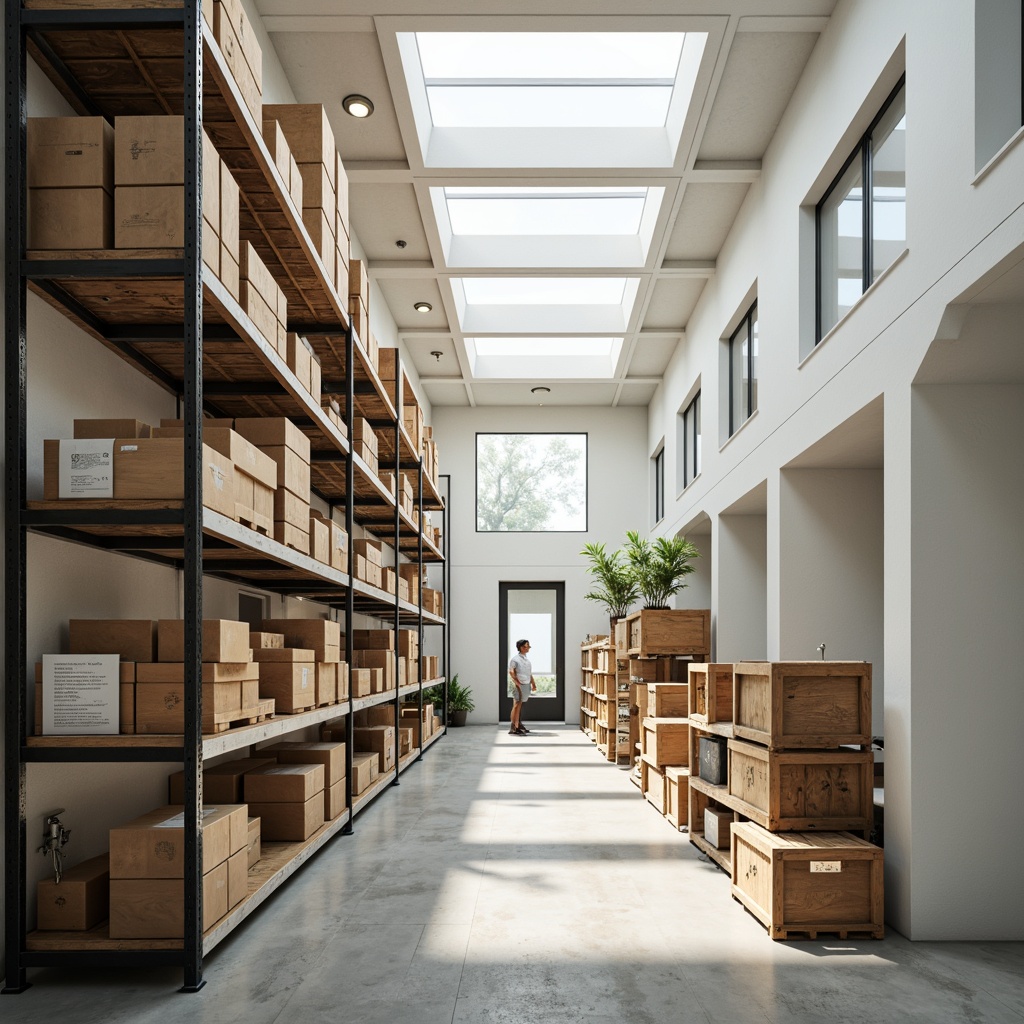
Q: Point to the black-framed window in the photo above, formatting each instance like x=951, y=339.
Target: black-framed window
x=531, y=483
x=689, y=442
x=861, y=220
x=743, y=370
x=659, y=485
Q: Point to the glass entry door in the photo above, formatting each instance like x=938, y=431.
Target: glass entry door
x=534, y=612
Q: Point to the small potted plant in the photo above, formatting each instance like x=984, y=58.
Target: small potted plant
x=615, y=584
x=460, y=701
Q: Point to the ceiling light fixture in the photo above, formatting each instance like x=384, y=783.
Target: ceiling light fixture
x=422, y=307
x=437, y=353
x=357, y=106
x=540, y=391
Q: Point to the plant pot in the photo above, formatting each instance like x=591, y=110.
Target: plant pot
x=457, y=717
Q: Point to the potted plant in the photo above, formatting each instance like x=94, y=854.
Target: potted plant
x=460, y=701
x=659, y=569
x=615, y=584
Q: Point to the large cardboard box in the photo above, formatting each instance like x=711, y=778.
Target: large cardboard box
x=318, y=191
x=370, y=549
x=291, y=684
x=223, y=640
x=238, y=878
x=132, y=639
x=142, y=468
x=149, y=150
x=360, y=681
x=290, y=821
x=230, y=213
x=334, y=800
x=329, y=754
x=253, y=849
x=111, y=428
x=283, y=654
x=234, y=12
x=160, y=707
x=382, y=660
x=259, y=640
x=365, y=770
x=70, y=152
x=326, y=682
x=319, y=540
x=290, y=508
x=79, y=902
x=291, y=781
x=245, y=456
x=70, y=218
x=377, y=739
x=149, y=216
x=374, y=639
x=292, y=471
x=342, y=220
x=322, y=636
x=309, y=133
x=280, y=151
x=230, y=19
x=154, y=908
x=153, y=845
x=222, y=783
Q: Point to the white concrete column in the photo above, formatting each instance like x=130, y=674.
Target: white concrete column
x=742, y=575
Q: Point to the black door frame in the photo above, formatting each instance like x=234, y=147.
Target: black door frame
x=546, y=709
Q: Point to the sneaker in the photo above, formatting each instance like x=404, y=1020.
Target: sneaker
x=523, y=731
x=513, y=732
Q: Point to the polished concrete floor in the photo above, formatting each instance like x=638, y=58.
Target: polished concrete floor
x=518, y=880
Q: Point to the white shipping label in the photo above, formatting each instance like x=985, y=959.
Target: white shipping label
x=826, y=867
x=218, y=476
x=81, y=694
x=305, y=678
x=178, y=821
x=86, y=468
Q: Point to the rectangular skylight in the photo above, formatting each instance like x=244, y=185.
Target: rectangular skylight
x=544, y=291
x=534, y=346
x=544, y=358
x=545, y=211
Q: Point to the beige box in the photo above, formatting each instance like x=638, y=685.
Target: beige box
x=343, y=672
x=212, y=672
x=295, y=183
x=111, y=428
x=308, y=132
x=211, y=249
x=334, y=800
x=244, y=455
x=223, y=640
x=652, y=785
x=265, y=641
x=363, y=433
x=292, y=537
x=279, y=149
x=149, y=216
x=154, y=908
x=283, y=654
x=290, y=821
x=365, y=770
x=290, y=508
x=132, y=639
x=290, y=782
x=234, y=12
x=225, y=31
x=257, y=309
x=320, y=635
x=330, y=755
x=79, y=902
x=222, y=783
x=359, y=283
x=253, y=270
x=299, y=358
x=253, y=847
x=360, y=681
x=238, y=878
x=291, y=684
x=382, y=660
x=378, y=739
x=326, y=682
x=292, y=472
x=369, y=549
x=160, y=707
x=70, y=152
x=211, y=185
x=153, y=845
x=341, y=196
x=144, y=467
x=149, y=150
x=230, y=215
x=274, y=432
x=218, y=482
x=70, y=218
x=373, y=639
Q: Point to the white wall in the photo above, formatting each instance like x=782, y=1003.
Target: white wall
x=618, y=502
x=742, y=574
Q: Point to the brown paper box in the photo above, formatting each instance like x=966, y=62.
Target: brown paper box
x=318, y=190
x=132, y=639
x=265, y=641
x=160, y=707
x=272, y=432
x=293, y=686
x=149, y=216
x=253, y=848
x=238, y=878
x=290, y=508
x=213, y=672
x=149, y=150
x=331, y=755
x=70, y=218
x=292, y=471
x=326, y=682
x=364, y=771
x=341, y=193
x=292, y=537
x=319, y=540
x=223, y=640
x=289, y=822
x=111, y=428
x=81, y=899
x=70, y=152
x=320, y=635
x=154, y=908
x=308, y=132
x=283, y=654
x=245, y=456
x=222, y=783
x=277, y=783
x=230, y=212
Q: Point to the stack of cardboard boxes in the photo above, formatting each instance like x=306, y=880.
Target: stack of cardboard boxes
x=242, y=52
x=304, y=363
x=284, y=159
x=336, y=540
x=331, y=755
x=287, y=798
x=367, y=561
x=364, y=443
x=301, y=658
x=262, y=299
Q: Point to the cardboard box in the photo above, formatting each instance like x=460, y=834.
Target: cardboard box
x=318, y=191
x=160, y=707
x=265, y=641
x=359, y=282
x=331, y=755
x=326, y=683
x=383, y=660
x=222, y=783
x=292, y=471
x=365, y=770
x=70, y=218
x=374, y=639
x=369, y=549
x=126, y=699
x=274, y=432
x=153, y=845
x=289, y=821
x=378, y=739
x=212, y=672
x=253, y=847
x=295, y=186
x=292, y=685
x=341, y=195
x=290, y=508
x=343, y=671
x=238, y=878
x=228, y=20
x=79, y=902
x=223, y=640
x=280, y=151
x=360, y=681
x=299, y=356
x=283, y=654
x=70, y=152
x=149, y=216
x=149, y=150
x=132, y=639
x=154, y=908
x=230, y=215
x=334, y=800
x=320, y=635
x=243, y=454
x=292, y=537
x=111, y=428
x=362, y=433
x=276, y=783
x=309, y=133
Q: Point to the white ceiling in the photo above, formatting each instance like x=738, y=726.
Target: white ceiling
x=755, y=53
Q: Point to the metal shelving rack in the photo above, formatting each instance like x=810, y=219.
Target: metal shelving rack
x=200, y=541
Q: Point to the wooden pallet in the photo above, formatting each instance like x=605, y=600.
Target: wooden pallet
x=224, y=720
x=257, y=523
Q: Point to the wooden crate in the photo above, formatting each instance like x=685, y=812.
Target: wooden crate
x=654, y=631
x=677, y=785
x=801, y=790
x=638, y=698
x=798, y=884
x=651, y=670
x=652, y=785
x=665, y=741
x=667, y=700
x=802, y=704
x=621, y=638
x=711, y=692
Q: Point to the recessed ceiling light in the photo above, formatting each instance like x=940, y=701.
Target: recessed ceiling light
x=422, y=307
x=540, y=391
x=357, y=106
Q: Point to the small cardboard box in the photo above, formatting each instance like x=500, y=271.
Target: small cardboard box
x=277, y=783
x=326, y=683
x=79, y=902
x=223, y=640
x=378, y=739
x=329, y=754
x=334, y=800
x=290, y=508
x=362, y=433
x=111, y=428
x=132, y=639
x=318, y=191
x=149, y=216
x=265, y=641
x=244, y=455
x=319, y=540
x=292, y=471
x=290, y=821
x=153, y=845
x=322, y=636
x=308, y=131
x=222, y=783
x=365, y=769
x=283, y=654
x=359, y=282
x=381, y=660
x=292, y=537
x=70, y=152
x=292, y=685
x=70, y=218
x=360, y=681
x=154, y=908
x=253, y=847
x=149, y=150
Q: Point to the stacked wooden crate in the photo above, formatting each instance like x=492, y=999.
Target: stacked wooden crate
x=664, y=741
x=588, y=693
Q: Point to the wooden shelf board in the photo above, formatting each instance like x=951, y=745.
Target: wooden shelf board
x=723, y=858
x=715, y=728
x=719, y=793
x=382, y=783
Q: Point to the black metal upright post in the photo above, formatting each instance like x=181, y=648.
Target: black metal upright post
x=446, y=580
x=193, y=509
x=397, y=618
x=350, y=493
x=15, y=426
x=419, y=563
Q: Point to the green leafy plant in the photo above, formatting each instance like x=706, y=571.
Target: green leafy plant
x=460, y=698
x=615, y=584
x=659, y=567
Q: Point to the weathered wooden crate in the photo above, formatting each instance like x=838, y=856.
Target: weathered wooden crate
x=677, y=785
x=665, y=741
x=604, y=684
x=792, y=705
x=606, y=658
x=651, y=670
x=652, y=785
x=801, y=790
x=638, y=698
x=667, y=700
x=711, y=692
x=621, y=637
x=799, y=884
x=654, y=631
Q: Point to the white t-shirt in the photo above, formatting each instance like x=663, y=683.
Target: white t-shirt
x=522, y=668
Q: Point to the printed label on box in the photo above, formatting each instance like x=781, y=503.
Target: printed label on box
x=178, y=821
x=826, y=867
x=86, y=468
x=81, y=694
x=305, y=678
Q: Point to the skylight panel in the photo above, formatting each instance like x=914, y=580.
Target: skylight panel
x=545, y=211
x=544, y=291
x=573, y=347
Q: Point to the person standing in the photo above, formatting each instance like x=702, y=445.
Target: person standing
x=520, y=671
